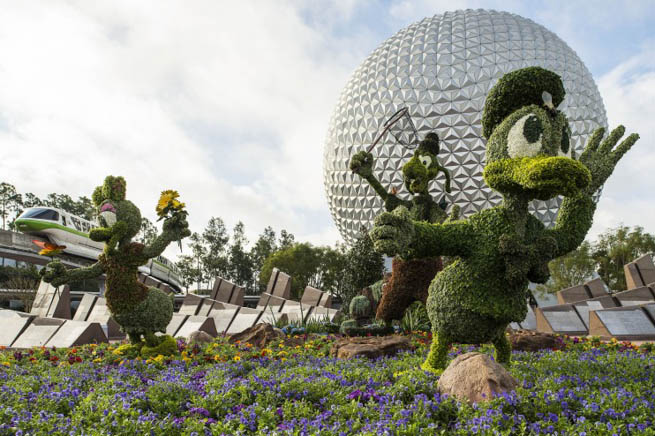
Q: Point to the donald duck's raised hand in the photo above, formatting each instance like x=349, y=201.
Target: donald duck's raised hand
x=393, y=232
x=600, y=156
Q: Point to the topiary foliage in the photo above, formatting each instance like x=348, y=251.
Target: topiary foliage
x=503, y=248
x=518, y=89
x=360, y=307
x=139, y=310
x=422, y=168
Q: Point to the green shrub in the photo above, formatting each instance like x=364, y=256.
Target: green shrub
x=166, y=347
x=360, y=307
x=415, y=318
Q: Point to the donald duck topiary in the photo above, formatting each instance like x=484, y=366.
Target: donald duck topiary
x=499, y=250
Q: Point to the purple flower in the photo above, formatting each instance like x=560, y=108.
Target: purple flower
x=199, y=411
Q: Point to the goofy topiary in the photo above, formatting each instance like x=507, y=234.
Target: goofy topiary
x=139, y=310
x=410, y=279
x=503, y=248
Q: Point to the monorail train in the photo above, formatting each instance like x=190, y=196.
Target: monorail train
x=63, y=228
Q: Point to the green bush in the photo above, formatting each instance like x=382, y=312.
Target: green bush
x=415, y=318
x=360, y=307
x=166, y=347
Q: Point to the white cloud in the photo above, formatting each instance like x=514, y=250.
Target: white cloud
x=226, y=102
x=629, y=94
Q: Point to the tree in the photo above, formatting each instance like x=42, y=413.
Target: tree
x=301, y=261
x=199, y=251
x=263, y=248
x=286, y=240
x=85, y=208
x=617, y=247
x=570, y=270
x=188, y=273
x=60, y=201
x=240, y=263
x=363, y=267
x=330, y=276
x=147, y=233
x=10, y=201
x=216, y=261
x=31, y=200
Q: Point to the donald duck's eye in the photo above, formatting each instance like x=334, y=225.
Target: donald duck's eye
x=426, y=161
x=524, y=138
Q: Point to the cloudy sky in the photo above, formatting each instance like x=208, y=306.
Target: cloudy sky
x=229, y=101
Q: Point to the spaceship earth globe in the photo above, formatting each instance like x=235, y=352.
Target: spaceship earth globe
x=441, y=69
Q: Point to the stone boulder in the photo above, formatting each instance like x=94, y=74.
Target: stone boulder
x=259, y=335
x=528, y=340
x=475, y=377
x=200, y=337
x=371, y=347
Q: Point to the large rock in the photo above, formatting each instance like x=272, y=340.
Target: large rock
x=259, y=335
x=475, y=377
x=371, y=347
x=200, y=337
x=528, y=340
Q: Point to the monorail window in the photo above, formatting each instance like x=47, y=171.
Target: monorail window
x=76, y=223
x=42, y=214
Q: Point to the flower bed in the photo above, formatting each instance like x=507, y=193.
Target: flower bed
x=588, y=388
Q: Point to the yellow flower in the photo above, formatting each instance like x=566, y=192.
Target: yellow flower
x=6, y=363
x=98, y=360
x=168, y=201
x=159, y=358
x=237, y=358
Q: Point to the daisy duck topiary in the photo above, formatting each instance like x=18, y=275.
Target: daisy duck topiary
x=139, y=310
x=499, y=250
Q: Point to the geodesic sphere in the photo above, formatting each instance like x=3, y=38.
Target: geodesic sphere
x=442, y=68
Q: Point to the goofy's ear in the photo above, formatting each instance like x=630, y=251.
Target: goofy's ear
x=114, y=188
x=97, y=196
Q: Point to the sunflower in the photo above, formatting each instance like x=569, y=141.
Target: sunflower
x=168, y=202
